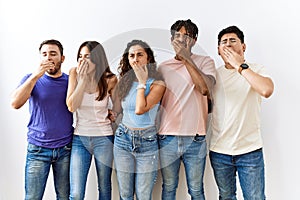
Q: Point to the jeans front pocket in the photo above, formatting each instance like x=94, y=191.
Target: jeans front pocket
x=68, y=147
x=120, y=131
x=33, y=149
x=161, y=137
x=150, y=138
x=199, y=138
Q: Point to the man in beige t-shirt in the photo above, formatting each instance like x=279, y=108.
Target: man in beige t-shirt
x=236, y=143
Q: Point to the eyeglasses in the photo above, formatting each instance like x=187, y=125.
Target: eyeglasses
x=184, y=36
x=232, y=41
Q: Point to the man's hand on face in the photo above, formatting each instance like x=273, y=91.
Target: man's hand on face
x=45, y=65
x=231, y=57
x=183, y=47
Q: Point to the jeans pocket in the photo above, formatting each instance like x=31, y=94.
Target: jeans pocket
x=150, y=138
x=199, y=138
x=33, y=149
x=68, y=147
x=162, y=137
x=119, y=132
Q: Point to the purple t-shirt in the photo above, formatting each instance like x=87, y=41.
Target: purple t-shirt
x=50, y=123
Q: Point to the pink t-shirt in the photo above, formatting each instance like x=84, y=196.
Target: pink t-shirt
x=184, y=109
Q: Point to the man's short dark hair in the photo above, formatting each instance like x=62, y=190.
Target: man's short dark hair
x=190, y=27
x=231, y=29
x=55, y=42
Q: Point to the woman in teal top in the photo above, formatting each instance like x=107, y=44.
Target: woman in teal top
x=137, y=96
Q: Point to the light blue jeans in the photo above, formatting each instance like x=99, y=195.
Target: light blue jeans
x=38, y=163
x=250, y=169
x=83, y=149
x=136, y=162
x=192, y=151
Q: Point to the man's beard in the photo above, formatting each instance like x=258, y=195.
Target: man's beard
x=55, y=70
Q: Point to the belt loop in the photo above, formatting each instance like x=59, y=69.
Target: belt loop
x=125, y=128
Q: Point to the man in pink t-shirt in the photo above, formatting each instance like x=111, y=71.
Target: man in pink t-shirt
x=189, y=78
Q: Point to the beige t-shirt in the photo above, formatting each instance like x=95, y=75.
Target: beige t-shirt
x=236, y=113
x=183, y=108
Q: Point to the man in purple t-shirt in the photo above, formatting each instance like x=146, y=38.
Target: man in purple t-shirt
x=50, y=125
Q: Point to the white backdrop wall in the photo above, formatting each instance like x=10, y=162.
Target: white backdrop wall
x=272, y=33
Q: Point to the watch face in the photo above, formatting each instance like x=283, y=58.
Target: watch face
x=244, y=66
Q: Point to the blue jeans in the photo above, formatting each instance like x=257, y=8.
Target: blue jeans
x=250, y=169
x=136, y=162
x=83, y=149
x=38, y=162
x=192, y=151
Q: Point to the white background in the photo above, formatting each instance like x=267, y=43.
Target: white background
x=272, y=32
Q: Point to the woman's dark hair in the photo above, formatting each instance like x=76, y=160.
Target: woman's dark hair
x=231, y=29
x=98, y=57
x=190, y=27
x=127, y=75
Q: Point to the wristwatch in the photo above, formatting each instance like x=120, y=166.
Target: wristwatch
x=242, y=67
x=141, y=86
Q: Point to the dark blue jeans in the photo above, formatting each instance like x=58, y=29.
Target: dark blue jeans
x=250, y=170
